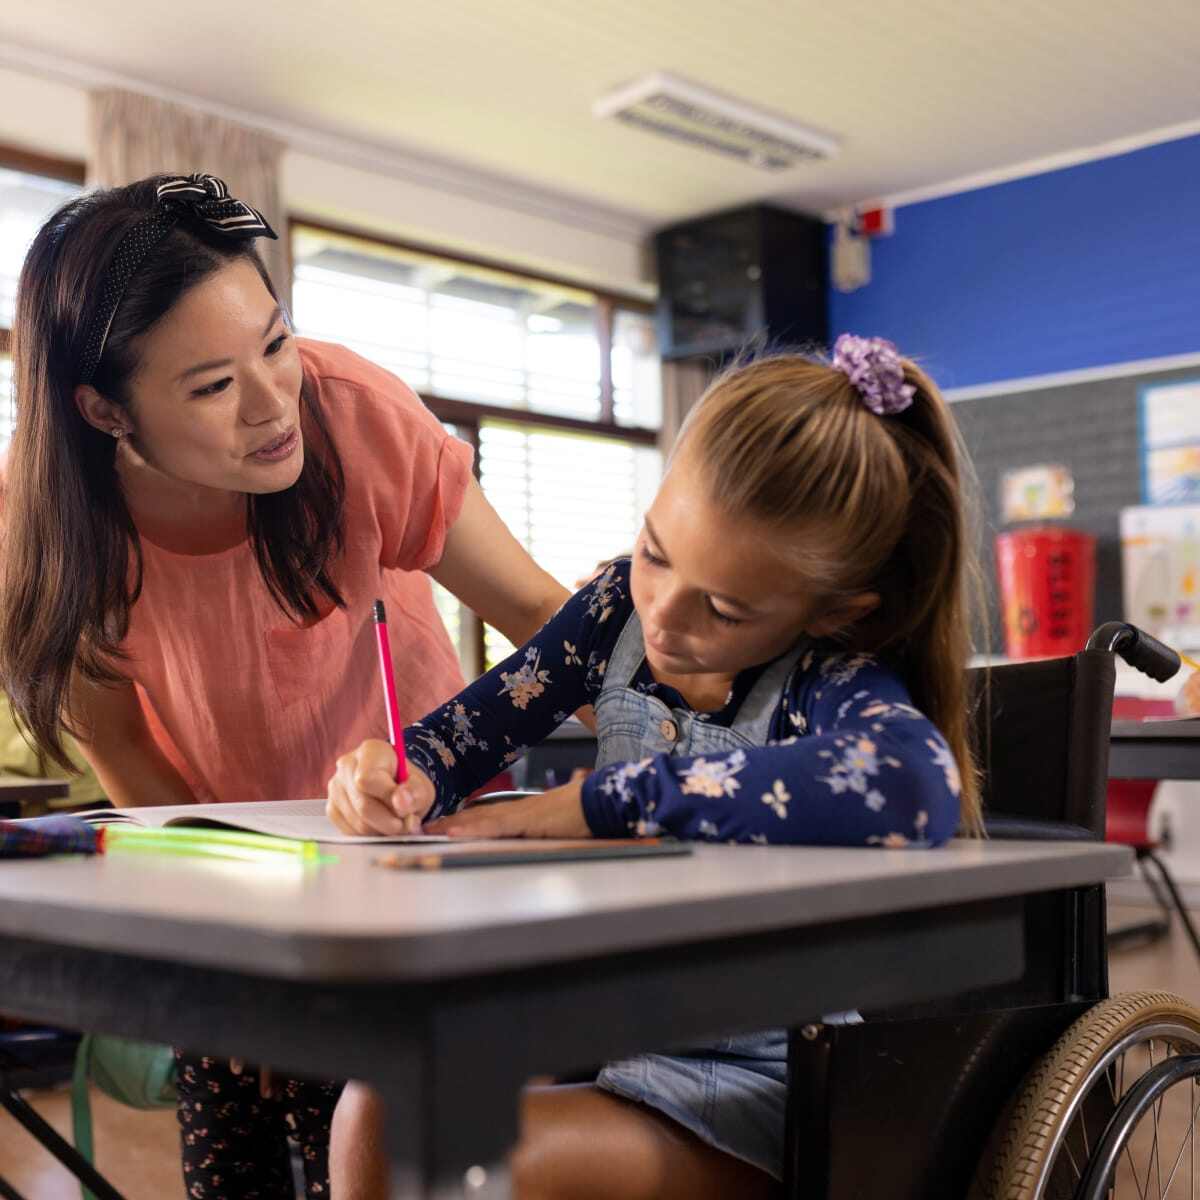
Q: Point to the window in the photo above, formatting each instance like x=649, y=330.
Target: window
x=572, y=500
x=555, y=386
x=30, y=190
x=448, y=329
x=636, y=370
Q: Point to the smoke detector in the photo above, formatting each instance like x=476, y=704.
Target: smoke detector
x=675, y=108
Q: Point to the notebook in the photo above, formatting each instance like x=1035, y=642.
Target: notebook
x=304, y=820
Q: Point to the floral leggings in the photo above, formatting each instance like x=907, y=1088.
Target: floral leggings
x=235, y=1143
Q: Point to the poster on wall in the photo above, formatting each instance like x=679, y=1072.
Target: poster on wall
x=1170, y=424
x=1036, y=493
x=1160, y=571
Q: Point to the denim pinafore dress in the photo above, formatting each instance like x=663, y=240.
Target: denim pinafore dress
x=730, y=1093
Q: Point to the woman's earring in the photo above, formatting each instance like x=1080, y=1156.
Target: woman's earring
x=118, y=432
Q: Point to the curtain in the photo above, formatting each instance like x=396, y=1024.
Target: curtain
x=683, y=383
x=132, y=136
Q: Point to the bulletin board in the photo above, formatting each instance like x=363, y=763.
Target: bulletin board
x=1169, y=423
x=1094, y=429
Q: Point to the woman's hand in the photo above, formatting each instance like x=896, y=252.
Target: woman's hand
x=365, y=799
x=557, y=813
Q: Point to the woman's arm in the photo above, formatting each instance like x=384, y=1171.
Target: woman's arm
x=117, y=742
x=490, y=572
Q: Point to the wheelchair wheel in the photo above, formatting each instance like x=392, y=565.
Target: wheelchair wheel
x=1048, y=1134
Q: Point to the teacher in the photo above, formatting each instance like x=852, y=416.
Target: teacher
x=200, y=509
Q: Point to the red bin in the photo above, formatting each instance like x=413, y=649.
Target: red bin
x=1047, y=579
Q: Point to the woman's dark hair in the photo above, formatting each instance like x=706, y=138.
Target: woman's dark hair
x=72, y=562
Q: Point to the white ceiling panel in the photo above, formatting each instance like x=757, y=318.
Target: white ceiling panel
x=918, y=91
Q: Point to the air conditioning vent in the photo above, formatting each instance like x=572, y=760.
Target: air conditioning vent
x=685, y=112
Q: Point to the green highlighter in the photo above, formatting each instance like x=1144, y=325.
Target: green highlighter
x=211, y=843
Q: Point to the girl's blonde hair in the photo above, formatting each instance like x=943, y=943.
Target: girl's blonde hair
x=864, y=503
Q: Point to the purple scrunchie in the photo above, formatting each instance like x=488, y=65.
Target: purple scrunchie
x=874, y=367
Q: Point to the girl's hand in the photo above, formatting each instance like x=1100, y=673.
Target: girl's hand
x=557, y=813
x=365, y=799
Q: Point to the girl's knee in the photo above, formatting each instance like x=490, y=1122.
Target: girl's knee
x=357, y=1159
x=359, y=1106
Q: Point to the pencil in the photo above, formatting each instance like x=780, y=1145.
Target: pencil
x=395, y=729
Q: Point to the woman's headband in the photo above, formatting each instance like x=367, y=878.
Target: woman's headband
x=199, y=198
x=875, y=368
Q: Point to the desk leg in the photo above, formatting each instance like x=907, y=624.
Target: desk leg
x=476, y=1183
x=411, y=1142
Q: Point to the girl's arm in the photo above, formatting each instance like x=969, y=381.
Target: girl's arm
x=491, y=723
x=862, y=766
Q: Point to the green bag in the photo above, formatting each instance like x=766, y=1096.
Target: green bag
x=140, y=1074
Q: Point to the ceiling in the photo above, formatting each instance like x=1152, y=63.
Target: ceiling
x=919, y=91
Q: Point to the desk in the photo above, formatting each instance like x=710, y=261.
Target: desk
x=1155, y=750
x=448, y=990
x=16, y=791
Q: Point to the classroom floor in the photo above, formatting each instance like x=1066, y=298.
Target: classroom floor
x=139, y=1151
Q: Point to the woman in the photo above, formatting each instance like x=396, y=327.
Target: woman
x=200, y=510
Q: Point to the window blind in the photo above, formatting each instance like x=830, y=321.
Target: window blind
x=572, y=500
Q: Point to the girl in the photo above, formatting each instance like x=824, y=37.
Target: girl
x=200, y=510
x=781, y=661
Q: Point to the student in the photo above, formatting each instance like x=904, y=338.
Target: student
x=782, y=661
x=200, y=509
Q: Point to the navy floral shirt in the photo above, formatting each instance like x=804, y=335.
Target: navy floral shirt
x=849, y=761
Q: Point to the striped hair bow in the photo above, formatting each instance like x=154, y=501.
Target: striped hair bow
x=207, y=198
x=198, y=199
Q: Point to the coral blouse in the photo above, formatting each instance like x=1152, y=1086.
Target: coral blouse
x=247, y=704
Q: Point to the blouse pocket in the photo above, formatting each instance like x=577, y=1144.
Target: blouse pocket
x=306, y=661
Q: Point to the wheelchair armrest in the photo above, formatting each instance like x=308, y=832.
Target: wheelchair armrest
x=1011, y=829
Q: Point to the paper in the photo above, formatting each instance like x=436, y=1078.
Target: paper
x=1160, y=571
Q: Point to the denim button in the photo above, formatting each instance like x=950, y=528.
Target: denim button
x=669, y=730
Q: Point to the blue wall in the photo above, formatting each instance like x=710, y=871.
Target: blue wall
x=1082, y=267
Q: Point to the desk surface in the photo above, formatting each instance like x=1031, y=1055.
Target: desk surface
x=21, y=788
x=447, y=990
x=1155, y=750
x=1181, y=730
x=353, y=920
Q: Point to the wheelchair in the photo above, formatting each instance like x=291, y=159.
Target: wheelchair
x=1046, y=1088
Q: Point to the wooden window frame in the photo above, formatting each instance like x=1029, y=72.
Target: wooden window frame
x=460, y=411
x=69, y=170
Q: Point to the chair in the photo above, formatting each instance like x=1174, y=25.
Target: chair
x=1129, y=802
x=1008, y=1072
x=31, y=1056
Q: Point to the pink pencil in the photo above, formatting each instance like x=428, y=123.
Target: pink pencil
x=395, y=729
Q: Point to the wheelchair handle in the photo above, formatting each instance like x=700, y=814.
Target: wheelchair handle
x=1141, y=651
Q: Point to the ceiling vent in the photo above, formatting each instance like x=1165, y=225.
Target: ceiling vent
x=685, y=112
